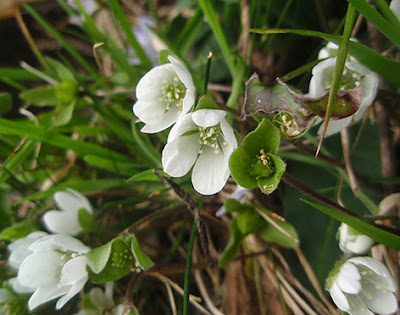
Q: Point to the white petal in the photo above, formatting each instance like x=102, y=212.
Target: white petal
x=184, y=124
x=357, y=306
x=321, y=74
x=118, y=310
x=153, y=80
x=361, y=245
x=73, y=270
x=339, y=298
x=19, y=249
x=369, y=85
x=78, y=286
x=210, y=172
x=180, y=154
x=170, y=117
x=97, y=297
x=335, y=126
x=71, y=201
x=149, y=112
x=40, y=270
x=348, y=279
x=377, y=299
x=182, y=73
x=395, y=7
x=62, y=222
x=67, y=242
x=188, y=101
x=19, y=288
x=228, y=133
x=45, y=294
x=208, y=117
x=379, y=268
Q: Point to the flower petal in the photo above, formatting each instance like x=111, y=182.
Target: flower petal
x=357, y=306
x=348, y=279
x=385, y=280
x=149, y=112
x=208, y=117
x=184, y=124
x=78, y=286
x=19, y=288
x=378, y=299
x=153, y=80
x=74, y=270
x=228, y=133
x=180, y=154
x=335, y=126
x=182, y=73
x=40, y=270
x=339, y=298
x=69, y=243
x=210, y=172
x=45, y=294
x=170, y=117
x=71, y=201
x=62, y=222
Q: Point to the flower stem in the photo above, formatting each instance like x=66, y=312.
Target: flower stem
x=208, y=67
x=188, y=267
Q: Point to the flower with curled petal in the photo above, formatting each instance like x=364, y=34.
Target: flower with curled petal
x=164, y=94
x=353, y=242
x=66, y=220
x=55, y=268
x=362, y=285
x=203, y=139
x=354, y=74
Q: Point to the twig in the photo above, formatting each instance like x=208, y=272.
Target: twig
x=300, y=186
x=355, y=187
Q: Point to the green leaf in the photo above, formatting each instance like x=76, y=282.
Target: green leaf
x=115, y=166
x=119, y=262
x=232, y=248
x=206, y=102
x=67, y=91
x=385, y=66
x=380, y=236
x=209, y=12
x=385, y=27
x=63, y=114
x=271, y=233
x=98, y=257
x=142, y=260
x=266, y=136
x=147, y=175
x=23, y=129
x=5, y=103
x=5, y=209
x=62, y=72
x=239, y=164
x=86, y=220
x=18, y=230
x=42, y=96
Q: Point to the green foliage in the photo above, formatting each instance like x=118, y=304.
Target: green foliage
x=5, y=103
x=18, y=230
x=255, y=163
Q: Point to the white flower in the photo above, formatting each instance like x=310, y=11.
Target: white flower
x=65, y=221
x=395, y=7
x=164, y=94
x=353, y=242
x=102, y=302
x=56, y=268
x=354, y=74
x=362, y=285
x=203, y=139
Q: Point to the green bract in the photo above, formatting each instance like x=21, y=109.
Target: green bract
x=256, y=163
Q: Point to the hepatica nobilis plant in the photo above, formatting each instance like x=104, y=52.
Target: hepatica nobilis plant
x=115, y=182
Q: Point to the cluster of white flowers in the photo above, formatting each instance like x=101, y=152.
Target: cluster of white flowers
x=53, y=265
x=354, y=74
x=202, y=138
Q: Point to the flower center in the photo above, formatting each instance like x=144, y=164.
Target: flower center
x=350, y=80
x=263, y=166
x=172, y=93
x=212, y=137
x=287, y=123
